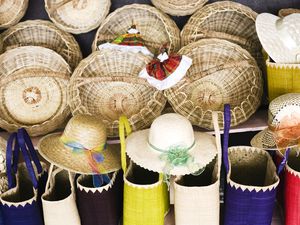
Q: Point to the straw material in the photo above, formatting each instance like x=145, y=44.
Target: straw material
x=33, y=90
x=106, y=84
x=45, y=34
x=2, y=155
x=155, y=27
x=222, y=72
x=11, y=11
x=3, y=184
x=71, y=16
x=288, y=11
x=226, y=20
x=179, y=7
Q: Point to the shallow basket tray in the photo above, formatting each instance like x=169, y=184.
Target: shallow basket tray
x=222, y=73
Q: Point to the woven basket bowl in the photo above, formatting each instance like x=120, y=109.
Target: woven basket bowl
x=225, y=20
x=179, y=7
x=33, y=90
x=286, y=12
x=106, y=84
x=45, y=34
x=222, y=72
x=155, y=27
x=71, y=16
x=11, y=11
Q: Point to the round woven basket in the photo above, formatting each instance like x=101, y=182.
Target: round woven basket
x=45, y=34
x=33, y=90
x=222, y=73
x=11, y=11
x=179, y=7
x=286, y=12
x=77, y=16
x=107, y=84
x=155, y=27
x=225, y=20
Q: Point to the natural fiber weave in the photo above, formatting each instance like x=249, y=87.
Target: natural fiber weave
x=107, y=84
x=2, y=155
x=11, y=11
x=45, y=34
x=155, y=27
x=77, y=16
x=33, y=84
x=225, y=20
x=222, y=72
x=286, y=12
x=179, y=7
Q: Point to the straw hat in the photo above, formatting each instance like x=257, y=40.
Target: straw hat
x=171, y=146
x=288, y=11
x=155, y=27
x=45, y=34
x=283, y=121
x=11, y=11
x=77, y=16
x=33, y=90
x=106, y=84
x=222, y=73
x=280, y=36
x=179, y=7
x=82, y=147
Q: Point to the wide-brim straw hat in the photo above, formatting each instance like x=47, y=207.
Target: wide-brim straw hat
x=88, y=132
x=107, y=84
x=288, y=11
x=283, y=112
x=45, y=34
x=225, y=20
x=179, y=7
x=77, y=16
x=155, y=27
x=280, y=36
x=222, y=73
x=11, y=12
x=33, y=90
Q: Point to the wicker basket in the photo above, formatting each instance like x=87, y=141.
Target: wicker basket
x=33, y=90
x=45, y=34
x=222, y=72
x=71, y=16
x=226, y=20
x=155, y=27
x=107, y=84
x=11, y=11
x=286, y=12
x=179, y=7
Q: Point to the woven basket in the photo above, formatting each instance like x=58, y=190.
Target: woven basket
x=155, y=27
x=45, y=34
x=2, y=155
x=226, y=20
x=71, y=16
x=286, y=12
x=107, y=84
x=222, y=72
x=11, y=11
x=179, y=7
x=33, y=90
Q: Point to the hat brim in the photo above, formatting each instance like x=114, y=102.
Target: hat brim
x=54, y=151
x=139, y=151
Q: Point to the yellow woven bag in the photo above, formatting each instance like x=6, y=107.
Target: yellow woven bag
x=146, y=197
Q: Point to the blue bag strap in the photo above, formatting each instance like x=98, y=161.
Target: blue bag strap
x=12, y=159
x=284, y=161
x=227, y=122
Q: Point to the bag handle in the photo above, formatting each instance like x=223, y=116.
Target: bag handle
x=227, y=122
x=124, y=129
x=52, y=173
x=284, y=161
x=218, y=139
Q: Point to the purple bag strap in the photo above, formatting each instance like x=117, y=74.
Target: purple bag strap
x=12, y=159
x=227, y=122
x=284, y=161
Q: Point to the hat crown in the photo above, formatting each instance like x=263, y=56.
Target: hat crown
x=171, y=130
x=87, y=130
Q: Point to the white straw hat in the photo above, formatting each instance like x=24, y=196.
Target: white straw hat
x=171, y=146
x=280, y=37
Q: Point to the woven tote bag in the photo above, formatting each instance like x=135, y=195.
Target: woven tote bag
x=59, y=201
x=197, y=199
x=146, y=197
x=100, y=205
x=252, y=181
x=11, y=12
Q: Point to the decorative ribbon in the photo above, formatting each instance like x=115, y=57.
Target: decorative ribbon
x=131, y=38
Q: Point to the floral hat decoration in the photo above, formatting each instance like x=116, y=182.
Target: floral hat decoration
x=131, y=41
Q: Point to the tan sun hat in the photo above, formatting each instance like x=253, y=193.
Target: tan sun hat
x=82, y=147
x=77, y=16
x=11, y=12
x=171, y=146
x=33, y=95
x=283, y=122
